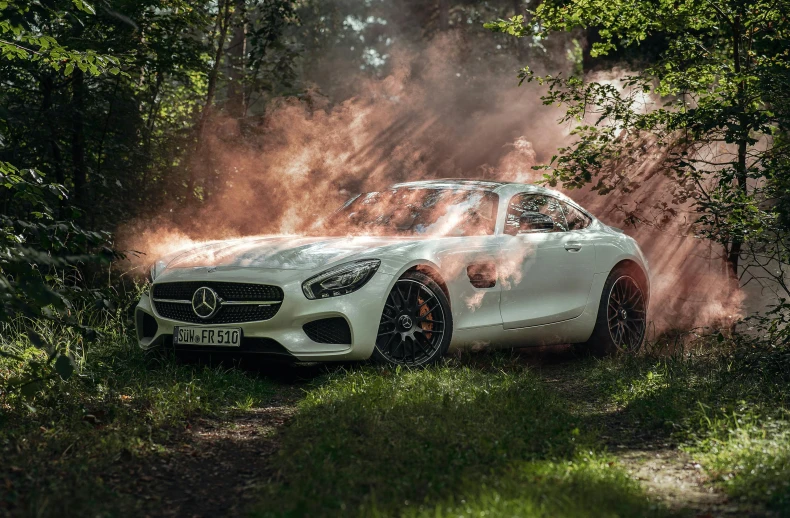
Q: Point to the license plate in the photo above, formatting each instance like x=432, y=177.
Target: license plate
x=208, y=336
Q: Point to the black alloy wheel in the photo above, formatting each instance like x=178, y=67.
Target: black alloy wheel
x=626, y=314
x=622, y=315
x=416, y=323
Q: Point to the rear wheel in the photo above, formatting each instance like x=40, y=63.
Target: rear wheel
x=416, y=324
x=622, y=315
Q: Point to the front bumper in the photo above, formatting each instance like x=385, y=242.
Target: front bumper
x=283, y=334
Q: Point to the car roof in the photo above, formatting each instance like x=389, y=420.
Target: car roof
x=486, y=185
x=503, y=188
x=453, y=183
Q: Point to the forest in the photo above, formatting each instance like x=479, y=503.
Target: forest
x=130, y=129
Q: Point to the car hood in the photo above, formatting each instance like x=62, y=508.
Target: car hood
x=284, y=253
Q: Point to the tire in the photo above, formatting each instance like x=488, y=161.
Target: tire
x=416, y=324
x=622, y=315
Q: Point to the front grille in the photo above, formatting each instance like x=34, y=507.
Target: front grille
x=329, y=331
x=165, y=295
x=234, y=291
x=225, y=314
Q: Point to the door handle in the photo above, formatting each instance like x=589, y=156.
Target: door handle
x=573, y=247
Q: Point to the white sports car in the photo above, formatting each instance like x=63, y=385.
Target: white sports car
x=411, y=272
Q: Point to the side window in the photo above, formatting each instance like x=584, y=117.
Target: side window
x=531, y=213
x=576, y=219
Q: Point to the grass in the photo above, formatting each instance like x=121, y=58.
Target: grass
x=728, y=407
x=457, y=440
x=748, y=454
x=480, y=435
x=122, y=406
x=486, y=436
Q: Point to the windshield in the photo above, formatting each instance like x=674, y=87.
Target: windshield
x=417, y=211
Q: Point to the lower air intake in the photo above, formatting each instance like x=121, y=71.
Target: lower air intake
x=329, y=331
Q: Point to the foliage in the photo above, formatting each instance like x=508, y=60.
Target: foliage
x=19, y=18
x=39, y=241
x=110, y=107
x=711, y=108
x=35, y=251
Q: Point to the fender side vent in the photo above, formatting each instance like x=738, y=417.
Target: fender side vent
x=329, y=331
x=482, y=275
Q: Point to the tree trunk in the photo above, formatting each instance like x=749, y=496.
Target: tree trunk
x=444, y=15
x=736, y=246
x=80, y=172
x=150, y=124
x=47, y=89
x=741, y=174
x=106, y=128
x=591, y=36
x=237, y=52
x=150, y=121
x=223, y=20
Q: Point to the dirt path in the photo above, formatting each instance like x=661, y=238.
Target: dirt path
x=673, y=478
x=213, y=467
x=667, y=473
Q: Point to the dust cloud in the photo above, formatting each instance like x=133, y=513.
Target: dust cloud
x=439, y=114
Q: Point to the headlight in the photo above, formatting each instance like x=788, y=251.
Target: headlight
x=340, y=280
x=156, y=268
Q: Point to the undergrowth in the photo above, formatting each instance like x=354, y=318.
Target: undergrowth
x=726, y=403
x=483, y=434
x=120, y=407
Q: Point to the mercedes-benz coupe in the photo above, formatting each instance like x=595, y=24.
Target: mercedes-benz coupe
x=405, y=274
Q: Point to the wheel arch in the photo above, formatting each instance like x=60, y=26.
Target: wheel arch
x=636, y=269
x=433, y=273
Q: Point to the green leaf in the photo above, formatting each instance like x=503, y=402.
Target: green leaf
x=31, y=389
x=36, y=340
x=84, y=6
x=64, y=366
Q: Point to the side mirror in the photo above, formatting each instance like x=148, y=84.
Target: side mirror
x=535, y=222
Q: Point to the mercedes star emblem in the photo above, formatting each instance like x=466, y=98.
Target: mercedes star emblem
x=205, y=302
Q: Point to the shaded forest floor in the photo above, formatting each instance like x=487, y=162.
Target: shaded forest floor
x=532, y=433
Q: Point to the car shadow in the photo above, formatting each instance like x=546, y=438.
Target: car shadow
x=287, y=372
x=548, y=355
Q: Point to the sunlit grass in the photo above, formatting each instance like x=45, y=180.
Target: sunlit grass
x=727, y=407
x=456, y=440
x=747, y=453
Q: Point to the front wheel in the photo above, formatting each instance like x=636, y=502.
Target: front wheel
x=416, y=324
x=622, y=315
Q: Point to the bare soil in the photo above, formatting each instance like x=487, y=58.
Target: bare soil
x=212, y=468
